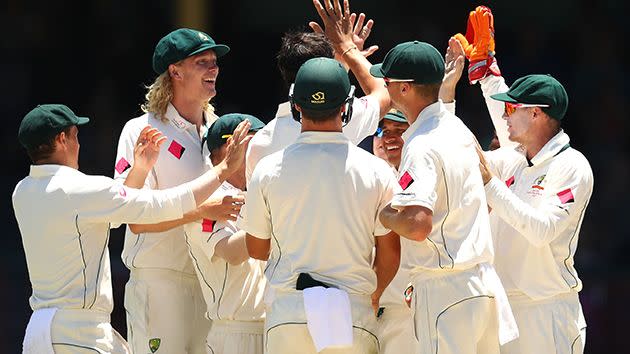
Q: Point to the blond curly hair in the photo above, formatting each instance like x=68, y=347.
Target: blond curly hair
x=160, y=93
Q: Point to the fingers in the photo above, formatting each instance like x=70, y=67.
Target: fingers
x=320, y=11
x=359, y=25
x=316, y=27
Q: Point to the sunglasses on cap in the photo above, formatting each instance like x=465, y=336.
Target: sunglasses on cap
x=388, y=80
x=510, y=108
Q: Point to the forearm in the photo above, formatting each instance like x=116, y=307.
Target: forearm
x=360, y=67
x=490, y=86
x=233, y=249
x=406, y=224
x=191, y=216
x=386, y=263
x=136, y=177
x=537, y=226
x=203, y=186
x=258, y=248
x=447, y=93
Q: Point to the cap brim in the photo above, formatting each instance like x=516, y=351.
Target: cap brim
x=395, y=118
x=219, y=49
x=376, y=71
x=82, y=120
x=503, y=97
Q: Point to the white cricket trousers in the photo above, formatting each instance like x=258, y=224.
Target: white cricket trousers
x=396, y=331
x=85, y=332
x=455, y=313
x=165, y=309
x=286, y=331
x=553, y=325
x=236, y=337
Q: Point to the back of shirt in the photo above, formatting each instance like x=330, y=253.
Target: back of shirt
x=318, y=201
x=440, y=171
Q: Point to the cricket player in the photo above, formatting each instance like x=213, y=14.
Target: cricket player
x=163, y=300
x=324, y=293
x=64, y=218
x=460, y=304
x=295, y=50
x=539, y=204
x=538, y=187
x=232, y=283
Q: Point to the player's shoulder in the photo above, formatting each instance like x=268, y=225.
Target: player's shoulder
x=135, y=125
x=572, y=162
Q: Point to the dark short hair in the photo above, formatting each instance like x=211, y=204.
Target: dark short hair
x=45, y=150
x=431, y=91
x=321, y=116
x=296, y=48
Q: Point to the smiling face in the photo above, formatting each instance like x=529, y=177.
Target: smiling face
x=197, y=75
x=392, y=140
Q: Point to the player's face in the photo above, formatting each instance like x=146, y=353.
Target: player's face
x=72, y=146
x=199, y=74
x=393, y=141
x=393, y=88
x=519, y=122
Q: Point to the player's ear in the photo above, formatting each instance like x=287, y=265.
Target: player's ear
x=173, y=72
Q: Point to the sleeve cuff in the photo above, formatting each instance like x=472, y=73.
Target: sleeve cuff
x=397, y=203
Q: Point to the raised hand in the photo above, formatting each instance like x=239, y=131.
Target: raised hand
x=454, y=67
x=236, y=147
x=338, y=26
x=147, y=148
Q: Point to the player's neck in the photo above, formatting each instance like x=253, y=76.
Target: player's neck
x=332, y=125
x=413, y=109
x=538, y=140
x=191, y=110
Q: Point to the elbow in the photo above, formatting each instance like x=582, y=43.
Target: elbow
x=420, y=233
x=136, y=228
x=263, y=256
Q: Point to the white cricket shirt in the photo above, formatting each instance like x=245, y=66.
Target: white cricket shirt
x=64, y=217
x=537, y=212
x=318, y=201
x=439, y=170
x=181, y=160
x=231, y=292
x=283, y=130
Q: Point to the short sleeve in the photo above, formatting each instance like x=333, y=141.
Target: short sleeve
x=255, y=216
x=417, y=178
x=364, y=120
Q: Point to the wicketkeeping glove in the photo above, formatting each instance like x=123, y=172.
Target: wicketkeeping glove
x=479, y=44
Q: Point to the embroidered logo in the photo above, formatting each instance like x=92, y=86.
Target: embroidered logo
x=405, y=180
x=176, y=149
x=409, y=295
x=566, y=196
x=203, y=37
x=122, y=192
x=179, y=123
x=154, y=344
x=122, y=165
x=208, y=225
x=318, y=98
x=538, y=181
x=509, y=182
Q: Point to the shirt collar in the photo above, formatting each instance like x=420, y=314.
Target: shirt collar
x=181, y=123
x=312, y=137
x=551, y=148
x=284, y=110
x=39, y=171
x=428, y=112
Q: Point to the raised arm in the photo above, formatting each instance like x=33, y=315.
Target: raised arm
x=338, y=28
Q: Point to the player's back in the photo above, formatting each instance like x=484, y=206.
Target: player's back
x=324, y=194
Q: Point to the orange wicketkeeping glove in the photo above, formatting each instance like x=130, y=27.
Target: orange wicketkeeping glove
x=479, y=44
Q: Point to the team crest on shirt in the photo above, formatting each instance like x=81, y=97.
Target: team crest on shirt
x=154, y=344
x=536, y=190
x=409, y=295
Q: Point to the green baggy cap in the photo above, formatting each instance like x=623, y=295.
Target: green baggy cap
x=417, y=61
x=321, y=84
x=538, y=89
x=396, y=116
x=181, y=44
x=223, y=128
x=44, y=122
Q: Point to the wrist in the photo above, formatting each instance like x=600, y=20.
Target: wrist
x=344, y=47
x=222, y=171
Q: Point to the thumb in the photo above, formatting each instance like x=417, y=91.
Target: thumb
x=316, y=27
x=366, y=53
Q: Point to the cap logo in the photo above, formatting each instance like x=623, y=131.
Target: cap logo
x=203, y=37
x=318, y=97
